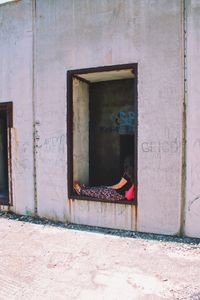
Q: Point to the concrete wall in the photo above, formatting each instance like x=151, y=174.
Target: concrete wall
x=90, y=33
x=82, y=34
x=192, y=208
x=16, y=84
x=80, y=131
x=160, y=99
x=103, y=214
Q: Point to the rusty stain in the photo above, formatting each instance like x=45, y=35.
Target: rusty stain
x=136, y=216
x=184, y=107
x=15, y=141
x=71, y=203
x=70, y=209
x=5, y=208
x=10, y=189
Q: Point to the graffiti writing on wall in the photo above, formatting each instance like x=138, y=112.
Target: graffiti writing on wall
x=53, y=144
x=123, y=123
x=168, y=143
x=166, y=146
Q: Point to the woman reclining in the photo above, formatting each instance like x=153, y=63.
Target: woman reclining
x=124, y=189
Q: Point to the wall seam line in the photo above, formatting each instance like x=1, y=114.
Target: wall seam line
x=183, y=177
x=33, y=107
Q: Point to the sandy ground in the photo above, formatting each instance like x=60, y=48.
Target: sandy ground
x=41, y=261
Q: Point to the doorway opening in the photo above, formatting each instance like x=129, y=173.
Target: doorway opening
x=5, y=153
x=102, y=125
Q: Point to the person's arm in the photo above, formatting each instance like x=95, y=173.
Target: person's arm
x=120, y=184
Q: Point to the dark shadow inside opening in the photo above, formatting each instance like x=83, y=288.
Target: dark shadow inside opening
x=3, y=156
x=111, y=129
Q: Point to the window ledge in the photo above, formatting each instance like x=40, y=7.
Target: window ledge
x=85, y=198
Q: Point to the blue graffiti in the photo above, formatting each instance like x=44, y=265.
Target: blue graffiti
x=126, y=118
x=123, y=123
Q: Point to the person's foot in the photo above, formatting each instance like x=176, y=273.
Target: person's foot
x=77, y=187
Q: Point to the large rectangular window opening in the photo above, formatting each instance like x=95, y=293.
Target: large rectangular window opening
x=102, y=125
x=5, y=153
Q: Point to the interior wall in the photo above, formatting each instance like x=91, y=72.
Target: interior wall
x=111, y=105
x=81, y=131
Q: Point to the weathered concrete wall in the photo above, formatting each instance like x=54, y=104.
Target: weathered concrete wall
x=81, y=34
x=16, y=85
x=103, y=214
x=81, y=131
x=160, y=99
x=192, y=208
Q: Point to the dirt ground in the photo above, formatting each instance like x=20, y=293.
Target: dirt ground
x=45, y=260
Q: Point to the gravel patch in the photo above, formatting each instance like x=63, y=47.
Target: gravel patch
x=190, y=243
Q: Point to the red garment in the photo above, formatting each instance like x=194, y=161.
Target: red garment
x=130, y=193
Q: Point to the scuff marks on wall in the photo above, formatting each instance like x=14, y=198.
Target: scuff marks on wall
x=21, y=158
x=192, y=202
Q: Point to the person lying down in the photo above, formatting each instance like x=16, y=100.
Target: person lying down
x=124, y=189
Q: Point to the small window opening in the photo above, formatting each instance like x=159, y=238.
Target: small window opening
x=102, y=124
x=5, y=124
